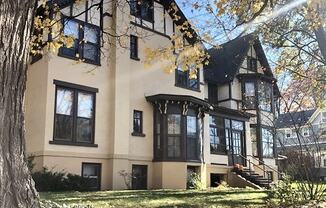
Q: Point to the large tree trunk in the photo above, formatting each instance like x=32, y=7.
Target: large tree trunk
x=16, y=185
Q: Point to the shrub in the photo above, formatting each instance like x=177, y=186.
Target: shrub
x=194, y=182
x=49, y=180
x=284, y=194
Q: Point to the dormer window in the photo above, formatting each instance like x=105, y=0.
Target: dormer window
x=143, y=9
x=252, y=63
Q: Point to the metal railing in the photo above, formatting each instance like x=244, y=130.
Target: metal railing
x=263, y=168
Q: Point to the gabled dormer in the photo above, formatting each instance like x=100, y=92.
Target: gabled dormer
x=239, y=73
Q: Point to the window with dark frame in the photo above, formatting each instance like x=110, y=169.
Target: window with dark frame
x=192, y=136
x=134, y=47
x=249, y=95
x=143, y=9
x=86, y=45
x=137, y=123
x=74, y=115
x=92, y=172
x=252, y=63
x=265, y=96
x=184, y=80
x=217, y=135
x=268, y=143
x=139, y=177
x=174, y=136
x=212, y=93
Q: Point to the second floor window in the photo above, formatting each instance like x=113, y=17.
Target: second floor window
x=143, y=9
x=134, y=47
x=86, y=41
x=249, y=98
x=183, y=79
x=265, y=96
x=74, y=115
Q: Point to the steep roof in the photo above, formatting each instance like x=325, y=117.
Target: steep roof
x=225, y=61
x=290, y=119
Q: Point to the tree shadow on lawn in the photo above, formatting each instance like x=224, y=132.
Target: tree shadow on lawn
x=179, y=198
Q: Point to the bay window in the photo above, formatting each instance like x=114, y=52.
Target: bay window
x=267, y=143
x=265, y=96
x=249, y=95
x=192, y=136
x=174, y=136
x=217, y=135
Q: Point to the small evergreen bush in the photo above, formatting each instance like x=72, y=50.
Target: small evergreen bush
x=49, y=180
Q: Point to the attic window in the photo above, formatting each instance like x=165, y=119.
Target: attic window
x=251, y=63
x=143, y=9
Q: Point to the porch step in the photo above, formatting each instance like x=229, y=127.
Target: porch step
x=254, y=177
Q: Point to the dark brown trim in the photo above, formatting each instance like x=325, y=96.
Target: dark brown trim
x=75, y=86
x=149, y=29
x=69, y=143
x=100, y=173
x=219, y=164
x=138, y=134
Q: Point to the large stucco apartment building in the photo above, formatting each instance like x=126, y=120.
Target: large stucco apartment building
x=108, y=114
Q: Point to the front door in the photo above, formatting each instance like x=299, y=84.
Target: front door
x=236, y=148
x=139, y=177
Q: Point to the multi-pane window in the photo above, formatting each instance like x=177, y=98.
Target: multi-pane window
x=183, y=79
x=249, y=95
x=265, y=96
x=157, y=131
x=143, y=9
x=86, y=41
x=134, y=47
x=251, y=63
x=268, y=143
x=92, y=172
x=192, y=137
x=74, y=115
x=174, y=136
x=217, y=135
x=138, y=122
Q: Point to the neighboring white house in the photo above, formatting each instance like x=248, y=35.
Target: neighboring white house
x=304, y=130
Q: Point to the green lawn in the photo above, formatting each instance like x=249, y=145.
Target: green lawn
x=162, y=198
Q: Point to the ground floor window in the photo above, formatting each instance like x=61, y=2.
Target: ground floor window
x=92, y=171
x=139, y=177
x=177, y=134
